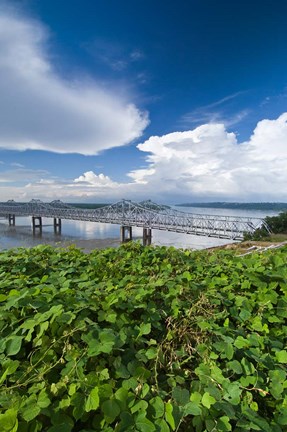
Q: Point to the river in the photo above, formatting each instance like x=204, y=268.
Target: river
x=91, y=235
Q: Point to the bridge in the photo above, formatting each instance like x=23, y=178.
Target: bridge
x=128, y=214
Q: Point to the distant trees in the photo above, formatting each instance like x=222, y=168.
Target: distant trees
x=276, y=224
x=277, y=206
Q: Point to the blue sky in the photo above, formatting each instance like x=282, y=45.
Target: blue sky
x=167, y=100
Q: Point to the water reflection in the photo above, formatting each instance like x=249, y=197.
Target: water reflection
x=80, y=231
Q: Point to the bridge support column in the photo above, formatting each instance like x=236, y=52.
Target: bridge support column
x=11, y=219
x=57, y=225
x=37, y=223
x=147, y=236
x=126, y=234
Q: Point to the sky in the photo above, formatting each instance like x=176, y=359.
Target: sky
x=171, y=101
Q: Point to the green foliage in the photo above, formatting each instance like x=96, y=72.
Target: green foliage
x=142, y=339
x=276, y=224
x=276, y=206
x=259, y=234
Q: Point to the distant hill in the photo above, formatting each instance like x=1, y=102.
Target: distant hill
x=276, y=206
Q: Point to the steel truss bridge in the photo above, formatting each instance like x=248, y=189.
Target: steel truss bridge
x=128, y=214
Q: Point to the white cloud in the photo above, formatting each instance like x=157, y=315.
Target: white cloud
x=136, y=55
x=41, y=110
x=209, y=163
x=216, y=112
x=89, y=178
x=206, y=163
x=21, y=176
x=17, y=165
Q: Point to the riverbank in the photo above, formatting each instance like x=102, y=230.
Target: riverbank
x=89, y=245
x=250, y=246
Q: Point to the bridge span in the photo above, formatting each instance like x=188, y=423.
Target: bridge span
x=128, y=214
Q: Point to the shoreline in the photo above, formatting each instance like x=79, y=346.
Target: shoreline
x=88, y=246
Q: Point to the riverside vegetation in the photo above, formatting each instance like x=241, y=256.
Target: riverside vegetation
x=277, y=226
x=142, y=339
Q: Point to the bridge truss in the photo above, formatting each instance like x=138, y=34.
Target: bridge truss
x=145, y=214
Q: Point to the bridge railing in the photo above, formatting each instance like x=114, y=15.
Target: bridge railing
x=146, y=214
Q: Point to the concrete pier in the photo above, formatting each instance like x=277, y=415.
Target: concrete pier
x=37, y=224
x=57, y=226
x=147, y=236
x=126, y=234
x=11, y=219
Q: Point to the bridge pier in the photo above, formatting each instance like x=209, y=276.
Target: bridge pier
x=126, y=234
x=147, y=236
x=57, y=225
x=11, y=219
x=37, y=223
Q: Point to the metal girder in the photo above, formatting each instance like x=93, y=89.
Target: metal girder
x=145, y=214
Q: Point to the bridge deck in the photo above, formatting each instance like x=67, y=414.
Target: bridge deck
x=145, y=214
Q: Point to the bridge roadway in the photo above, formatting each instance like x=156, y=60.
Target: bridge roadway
x=128, y=214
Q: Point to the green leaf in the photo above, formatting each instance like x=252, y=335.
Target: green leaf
x=145, y=329
x=121, y=395
x=181, y=396
x=78, y=402
x=281, y=356
x=223, y=424
x=107, y=340
x=247, y=366
x=92, y=402
x=282, y=418
x=191, y=408
x=30, y=411
x=162, y=426
x=169, y=415
x=9, y=366
x=235, y=366
x=257, y=420
x=143, y=424
x=62, y=427
x=173, y=415
x=65, y=402
x=233, y=392
x=13, y=345
x=151, y=353
x=141, y=405
x=245, y=314
x=111, y=410
x=195, y=397
x=186, y=275
x=241, y=342
x=145, y=390
x=216, y=374
x=43, y=399
x=276, y=389
x=126, y=423
x=103, y=343
x=158, y=406
x=9, y=421
x=207, y=400
x=229, y=351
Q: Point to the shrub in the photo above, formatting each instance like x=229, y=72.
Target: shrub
x=142, y=339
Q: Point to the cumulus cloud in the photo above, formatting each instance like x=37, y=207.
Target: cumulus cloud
x=209, y=163
x=92, y=179
x=206, y=163
x=40, y=110
x=87, y=187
